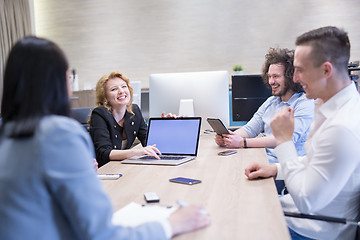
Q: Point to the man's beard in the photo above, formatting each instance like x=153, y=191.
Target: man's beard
x=283, y=91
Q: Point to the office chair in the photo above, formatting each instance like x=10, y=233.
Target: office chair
x=327, y=219
x=81, y=115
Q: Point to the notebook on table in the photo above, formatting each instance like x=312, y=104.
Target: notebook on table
x=176, y=138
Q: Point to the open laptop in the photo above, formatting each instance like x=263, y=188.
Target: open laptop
x=176, y=138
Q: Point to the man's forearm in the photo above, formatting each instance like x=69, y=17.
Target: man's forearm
x=259, y=142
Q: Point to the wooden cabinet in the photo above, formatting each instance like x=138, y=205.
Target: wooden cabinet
x=85, y=98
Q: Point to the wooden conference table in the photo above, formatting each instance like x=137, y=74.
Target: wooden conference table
x=239, y=208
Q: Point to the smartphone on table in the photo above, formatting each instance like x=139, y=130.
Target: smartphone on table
x=183, y=180
x=227, y=152
x=109, y=176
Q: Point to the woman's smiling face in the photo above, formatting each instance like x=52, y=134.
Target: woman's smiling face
x=117, y=92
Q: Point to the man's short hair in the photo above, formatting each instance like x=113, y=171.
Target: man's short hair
x=327, y=44
x=285, y=57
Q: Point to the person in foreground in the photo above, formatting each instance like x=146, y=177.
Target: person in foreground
x=277, y=74
x=327, y=180
x=116, y=122
x=47, y=176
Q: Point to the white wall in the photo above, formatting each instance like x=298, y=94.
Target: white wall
x=32, y=16
x=141, y=37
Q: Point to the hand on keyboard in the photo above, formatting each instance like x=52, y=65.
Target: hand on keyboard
x=162, y=157
x=151, y=150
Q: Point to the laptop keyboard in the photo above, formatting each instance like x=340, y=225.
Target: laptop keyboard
x=162, y=158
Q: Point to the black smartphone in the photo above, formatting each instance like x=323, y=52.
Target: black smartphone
x=183, y=180
x=227, y=152
x=218, y=126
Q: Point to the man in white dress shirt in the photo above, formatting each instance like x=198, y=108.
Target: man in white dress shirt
x=326, y=181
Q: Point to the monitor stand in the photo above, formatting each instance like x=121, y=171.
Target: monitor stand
x=186, y=108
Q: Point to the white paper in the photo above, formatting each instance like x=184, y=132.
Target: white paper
x=135, y=214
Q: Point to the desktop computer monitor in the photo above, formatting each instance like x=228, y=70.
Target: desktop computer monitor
x=203, y=94
x=248, y=93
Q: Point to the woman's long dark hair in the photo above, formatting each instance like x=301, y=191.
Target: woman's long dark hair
x=35, y=85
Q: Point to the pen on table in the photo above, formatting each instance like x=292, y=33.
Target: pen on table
x=159, y=205
x=184, y=204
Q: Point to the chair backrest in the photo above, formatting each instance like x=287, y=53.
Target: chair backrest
x=82, y=115
x=352, y=225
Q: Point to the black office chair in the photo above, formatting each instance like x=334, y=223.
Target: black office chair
x=352, y=223
x=82, y=115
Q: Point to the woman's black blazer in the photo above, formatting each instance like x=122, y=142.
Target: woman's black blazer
x=107, y=134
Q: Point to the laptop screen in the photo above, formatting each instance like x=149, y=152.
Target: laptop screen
x=178, y=136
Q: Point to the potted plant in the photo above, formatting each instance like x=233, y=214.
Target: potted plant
x=238, y=69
